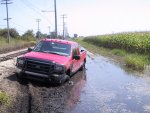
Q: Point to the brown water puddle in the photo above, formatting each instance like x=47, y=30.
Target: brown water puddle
x=110, y=89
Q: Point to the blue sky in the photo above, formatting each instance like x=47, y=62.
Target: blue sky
x=84, y=17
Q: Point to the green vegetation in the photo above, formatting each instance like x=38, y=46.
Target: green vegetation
x=119, y=52
x=132, y=42
x=16, y=41
x=13, y=33
x=136, y=61
x=132, y=48
x=14, y=44
x=4, y=98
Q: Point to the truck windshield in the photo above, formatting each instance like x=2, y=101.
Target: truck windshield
x=53, y=48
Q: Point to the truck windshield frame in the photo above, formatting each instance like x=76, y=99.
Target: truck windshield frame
x=53, y=48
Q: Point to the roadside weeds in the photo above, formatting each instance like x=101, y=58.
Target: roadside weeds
x=133, y=61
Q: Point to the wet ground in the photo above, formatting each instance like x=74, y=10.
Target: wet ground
x=103, y=87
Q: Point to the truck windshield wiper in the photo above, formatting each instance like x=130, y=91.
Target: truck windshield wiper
x=53, y=52
x=58, y=53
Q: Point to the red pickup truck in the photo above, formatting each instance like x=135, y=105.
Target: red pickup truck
x=51, y=60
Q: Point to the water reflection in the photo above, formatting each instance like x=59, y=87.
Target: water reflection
x=77, y=83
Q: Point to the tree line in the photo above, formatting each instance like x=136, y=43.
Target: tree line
x=28, y=35
x=15, y=34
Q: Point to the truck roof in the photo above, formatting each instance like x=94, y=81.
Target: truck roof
x=60, y=41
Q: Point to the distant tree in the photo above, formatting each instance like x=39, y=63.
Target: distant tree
x=60, y=37
x=13, y=33
x=38, y=34
x=75, y=35
x=3, y=33
x=53, y=35
x=28, y=33
x=48, y=36
x=44, y=35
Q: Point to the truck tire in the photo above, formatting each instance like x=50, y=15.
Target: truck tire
x=62, y=80
x=83, y=66
x=20, y=77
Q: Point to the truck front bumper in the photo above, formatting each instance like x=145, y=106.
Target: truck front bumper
x=57, y=78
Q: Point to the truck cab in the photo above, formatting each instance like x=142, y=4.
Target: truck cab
x=51, y=60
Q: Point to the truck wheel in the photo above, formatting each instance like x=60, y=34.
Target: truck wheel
x=62, y=80
x=82, y=67
x=20, y=77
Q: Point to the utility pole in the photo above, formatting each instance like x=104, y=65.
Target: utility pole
x=55, y=9
x=49, y=31
x=63, y=17
x=6, y=2
x=38, y=32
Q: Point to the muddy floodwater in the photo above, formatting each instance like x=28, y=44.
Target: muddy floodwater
x=103, y=87
x=110, y=89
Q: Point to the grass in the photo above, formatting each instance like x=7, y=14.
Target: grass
x=14, y=44
x=4, y=98
x=119, y=52
x=136, y=61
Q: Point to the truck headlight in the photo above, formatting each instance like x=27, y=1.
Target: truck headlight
x=20, y=61
x=59, y=68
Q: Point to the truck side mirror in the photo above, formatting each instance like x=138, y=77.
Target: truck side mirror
x=29, y=49
x=76, y=57
x=82, y=50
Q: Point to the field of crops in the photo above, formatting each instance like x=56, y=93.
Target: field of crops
x=138, y=42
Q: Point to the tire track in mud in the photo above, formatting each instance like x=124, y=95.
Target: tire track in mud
x=46, y=98
x=29, y=102
x=49, y=98
x=22, y=100
x=36, y=97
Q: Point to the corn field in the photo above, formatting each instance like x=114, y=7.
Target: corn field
x=138, y=42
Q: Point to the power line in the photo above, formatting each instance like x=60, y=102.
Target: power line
x=6, y=2
x=19, y=25
x=19, y=6
x=36, y=10
x=30, y=6
x=33, y=5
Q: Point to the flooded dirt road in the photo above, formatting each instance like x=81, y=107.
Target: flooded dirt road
x=103, y=87
x=110, y=89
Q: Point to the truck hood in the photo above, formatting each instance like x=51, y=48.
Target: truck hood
x=47, y=56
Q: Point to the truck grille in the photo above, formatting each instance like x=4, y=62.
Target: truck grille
x=38, y=66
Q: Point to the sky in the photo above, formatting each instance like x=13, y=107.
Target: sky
x=83, y=17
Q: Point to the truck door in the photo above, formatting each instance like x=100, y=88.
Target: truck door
x=75, y=62
x=81, y=57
